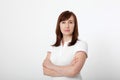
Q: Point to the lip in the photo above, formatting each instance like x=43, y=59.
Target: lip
x=67, y=30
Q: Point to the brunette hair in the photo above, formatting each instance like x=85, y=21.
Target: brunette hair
x=62, y=17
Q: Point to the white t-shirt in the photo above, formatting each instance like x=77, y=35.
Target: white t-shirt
x=63, y=55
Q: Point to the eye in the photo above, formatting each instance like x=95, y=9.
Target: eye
x=71, y=22
x=63, y=22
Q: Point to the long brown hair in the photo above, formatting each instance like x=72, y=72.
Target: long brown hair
x=62, y=17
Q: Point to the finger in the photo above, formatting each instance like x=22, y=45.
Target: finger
x=43, y=64
x=73, y=61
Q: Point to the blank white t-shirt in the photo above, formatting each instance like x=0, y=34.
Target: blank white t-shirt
x=63, y=55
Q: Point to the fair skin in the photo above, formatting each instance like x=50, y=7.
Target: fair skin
x=71, y=70
x=67, y=28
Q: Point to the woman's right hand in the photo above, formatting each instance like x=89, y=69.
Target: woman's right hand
x=47, y=63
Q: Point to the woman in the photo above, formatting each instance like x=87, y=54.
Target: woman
x=67, y=56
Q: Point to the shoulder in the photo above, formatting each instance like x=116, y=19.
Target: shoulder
x=81, y=46
x=50, y=48
x=81, y=43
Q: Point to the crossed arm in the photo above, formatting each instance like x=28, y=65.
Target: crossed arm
x=70, y=70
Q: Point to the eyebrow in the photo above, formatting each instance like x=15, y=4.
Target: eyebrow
x=70, y=20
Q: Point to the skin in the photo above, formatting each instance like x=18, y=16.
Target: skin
x=71, y=70
x=67, y=28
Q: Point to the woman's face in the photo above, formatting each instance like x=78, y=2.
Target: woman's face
x=67, y=26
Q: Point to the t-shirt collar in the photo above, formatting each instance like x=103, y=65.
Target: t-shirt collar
x=66, y=42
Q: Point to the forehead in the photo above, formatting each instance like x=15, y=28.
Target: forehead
x=71, y=18
x=66, y=17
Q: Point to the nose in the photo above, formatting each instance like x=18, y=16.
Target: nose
x=67, y=25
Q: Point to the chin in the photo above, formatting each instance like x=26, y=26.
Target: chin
x=67, y=34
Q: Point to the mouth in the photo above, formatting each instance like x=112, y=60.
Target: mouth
x=67, y=30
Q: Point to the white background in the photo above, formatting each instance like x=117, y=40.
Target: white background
x=27, y=27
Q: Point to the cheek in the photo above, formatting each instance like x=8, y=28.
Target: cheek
x=61, y=28
x=72, y=29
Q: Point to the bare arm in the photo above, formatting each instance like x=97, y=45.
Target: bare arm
x=70, y=70
x=47, y=71
x=50, y=72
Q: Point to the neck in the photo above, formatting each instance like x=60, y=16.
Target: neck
x=66, y=38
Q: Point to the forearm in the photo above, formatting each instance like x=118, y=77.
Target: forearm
x=64, y=70
x=68, y=70
x=50, y=72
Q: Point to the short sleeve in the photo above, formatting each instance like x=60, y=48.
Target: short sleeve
x=49, y=49
x=82, y=46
